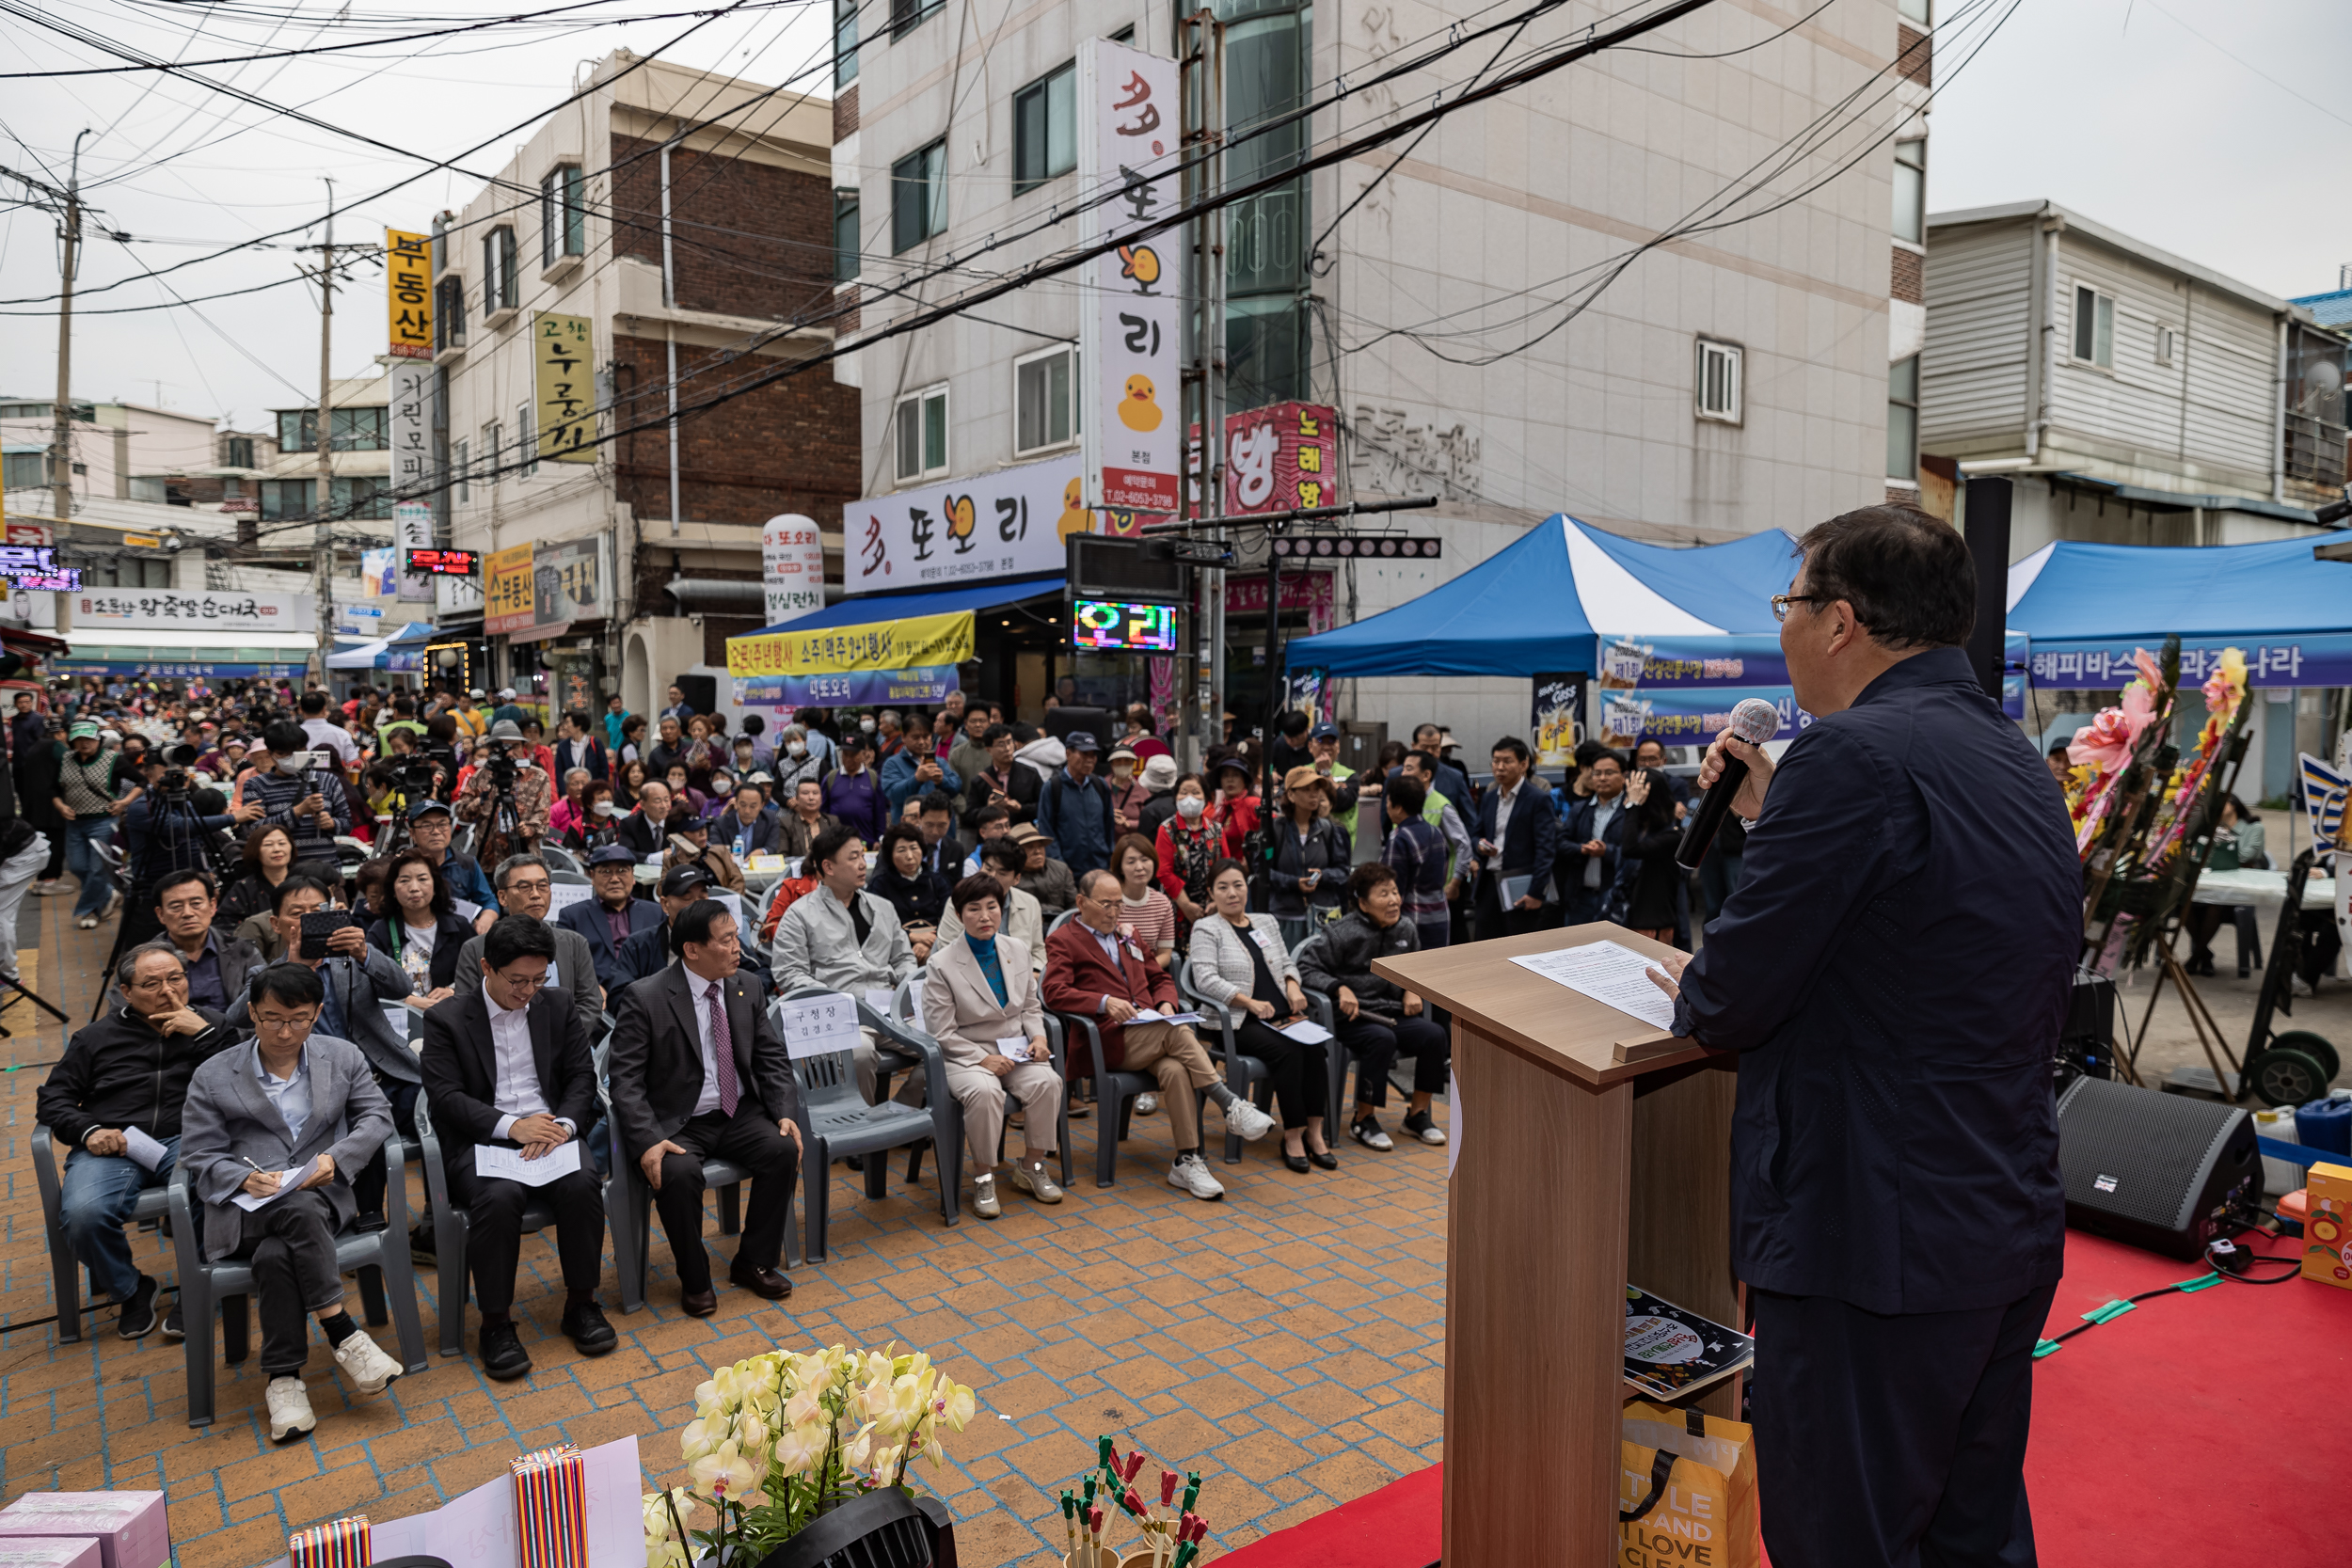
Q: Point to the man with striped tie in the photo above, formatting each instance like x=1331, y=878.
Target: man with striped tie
x=698, y=1070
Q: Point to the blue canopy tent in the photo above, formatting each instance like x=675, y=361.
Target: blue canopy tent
x=403, y=652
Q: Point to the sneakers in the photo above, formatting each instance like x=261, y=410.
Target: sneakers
x=173, y=1328
x=1366, y=1130
x=138, y=1318
x=1029, y=1176
x=85, y=923
x=368, y=1368
x=984, y=1198
x=1190, y=1174
x=1420, y=1125
x=1146, y=1104
x=50, y=889
x=114, y=904
x=290, y=1408
x=1246, y=1121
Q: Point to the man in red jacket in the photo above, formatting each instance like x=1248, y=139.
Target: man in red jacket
x=1094, y=969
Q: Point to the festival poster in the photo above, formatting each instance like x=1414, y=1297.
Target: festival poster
x=1688, y=718
x=1559, y=717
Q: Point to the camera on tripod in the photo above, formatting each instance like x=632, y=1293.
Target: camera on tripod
x=178, y=786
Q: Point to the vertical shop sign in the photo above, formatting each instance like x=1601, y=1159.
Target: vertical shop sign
x=1131, y=347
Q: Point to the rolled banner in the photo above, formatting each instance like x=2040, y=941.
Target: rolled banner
x=551, y=1508
x=338, y=1543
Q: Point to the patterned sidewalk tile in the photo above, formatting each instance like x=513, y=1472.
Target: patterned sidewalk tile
x=1287, y=1342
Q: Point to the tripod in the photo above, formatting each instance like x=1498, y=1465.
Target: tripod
x=173, y=814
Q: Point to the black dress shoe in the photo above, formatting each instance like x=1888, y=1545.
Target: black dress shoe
x=1323, y=1159
x=1296, y=1162
x=769, y=1283
x=368, y=1221
x=699, y=1304
x=502, y=1354
x=584, y=1325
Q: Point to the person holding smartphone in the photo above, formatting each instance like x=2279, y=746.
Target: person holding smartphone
x=301, y=792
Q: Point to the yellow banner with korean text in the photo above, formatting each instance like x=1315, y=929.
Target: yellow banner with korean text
x=902, y=644
x=506, y=581
x=409, y=293
x=566, y=388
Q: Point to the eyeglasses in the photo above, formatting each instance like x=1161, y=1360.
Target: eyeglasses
x=284, y=1025
x=164, y=982
x=533, y=884
x=520, y=982
x=1782, y=601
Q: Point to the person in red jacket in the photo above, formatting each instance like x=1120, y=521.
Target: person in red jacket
x=1094, y=970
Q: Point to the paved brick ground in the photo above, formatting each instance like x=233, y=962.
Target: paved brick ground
x=1287, y=1342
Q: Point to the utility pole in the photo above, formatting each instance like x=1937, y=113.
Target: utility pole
x=61, y=438
x=323, y=536
x=1203, y=142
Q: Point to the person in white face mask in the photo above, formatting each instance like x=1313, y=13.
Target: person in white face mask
x=298, y=792
x=797, y=759
x=1189, y=844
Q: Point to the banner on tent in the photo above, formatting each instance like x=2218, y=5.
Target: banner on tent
x=1644, y=662
x=883, y=647
x=2316, y=659
x=1682, y=718
x=1559, y=717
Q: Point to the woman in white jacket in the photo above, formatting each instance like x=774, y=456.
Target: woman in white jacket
x=1238, y=959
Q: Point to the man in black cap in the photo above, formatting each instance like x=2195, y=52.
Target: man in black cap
x=615, y=915
x=430, y=827
x=650, y=950
x=1075, y=811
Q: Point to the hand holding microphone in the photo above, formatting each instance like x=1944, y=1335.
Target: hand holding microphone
x=1735, y=776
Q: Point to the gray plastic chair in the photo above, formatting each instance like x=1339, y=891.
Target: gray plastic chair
x=1113, y=1089
x=1244, y=1075
x=629, y=1198
x=1323, y=1010
x=836, y=1121
x=380, y=1258
x=65, y=1270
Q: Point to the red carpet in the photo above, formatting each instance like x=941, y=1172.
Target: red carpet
x=2195, y=1431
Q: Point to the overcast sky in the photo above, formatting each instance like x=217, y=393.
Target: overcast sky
x=2116, y=108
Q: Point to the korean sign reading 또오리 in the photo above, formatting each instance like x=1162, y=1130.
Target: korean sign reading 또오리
x=1128, y=153
x=1008, y=524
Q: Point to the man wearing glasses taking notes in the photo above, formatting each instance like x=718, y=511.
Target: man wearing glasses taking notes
x=507, y=1070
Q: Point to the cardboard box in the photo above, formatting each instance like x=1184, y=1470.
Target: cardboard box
x=129, y=1527
x=2327, y=1226
x=49, y=1551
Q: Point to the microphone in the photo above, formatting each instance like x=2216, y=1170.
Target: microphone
x=1755, y=722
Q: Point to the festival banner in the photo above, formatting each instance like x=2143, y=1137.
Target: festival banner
x=2105, y=664
x=791, y=568
x=854, y=688
x=1008, y=524
x=886, y=647
x=1131, y=343
x=1559, y=717
x=560, y=355
x=409, y=293
x=1686, y=718
x=506, y=590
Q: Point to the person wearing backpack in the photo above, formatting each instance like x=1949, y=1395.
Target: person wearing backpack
x=1075, y=810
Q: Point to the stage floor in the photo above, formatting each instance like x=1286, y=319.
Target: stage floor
x=2188, y=1432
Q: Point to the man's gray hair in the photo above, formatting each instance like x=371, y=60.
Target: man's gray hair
x=127, y=968
x=513, y=864
x=1087, y=879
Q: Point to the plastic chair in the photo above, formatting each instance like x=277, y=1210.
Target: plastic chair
x=1112, y=1088
x=1244, y=1075
x=906, y=1008
x=629, y=1197
x=380, y=1258
x=562, y=862
x=65, y=1270
x=836, y=1121
x=450, y=1227
x=1323, y=1010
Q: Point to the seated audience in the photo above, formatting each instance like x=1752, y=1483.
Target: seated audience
x=691, y=845
x=424, y=932
x=614, y=916
x=1378, y=1020
x=842, y=938
x=1238, y=961
x=1043, y=878
x=917, y=892
x=980, y=1000
x=526, y=887
x=1144, y=911
x=1023, y=918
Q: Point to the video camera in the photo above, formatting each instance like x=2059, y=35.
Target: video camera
x=177, y=787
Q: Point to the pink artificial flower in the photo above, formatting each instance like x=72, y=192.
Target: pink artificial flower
x=2151, y=673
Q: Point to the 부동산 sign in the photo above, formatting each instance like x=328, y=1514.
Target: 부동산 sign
x=409, y=293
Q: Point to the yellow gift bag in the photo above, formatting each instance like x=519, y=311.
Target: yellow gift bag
x=1686, y=1491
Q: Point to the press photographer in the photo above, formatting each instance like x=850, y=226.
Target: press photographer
x=172, y=827
x=508, y=796
x=298, y=791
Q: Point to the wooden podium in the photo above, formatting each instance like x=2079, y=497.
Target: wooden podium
x=1595, y=1150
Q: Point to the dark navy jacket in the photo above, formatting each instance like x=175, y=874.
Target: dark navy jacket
x=1895, y=968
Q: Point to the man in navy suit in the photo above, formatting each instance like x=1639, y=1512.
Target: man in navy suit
x=614, y=916
x=1592, y=840
x=1893, y=972
x=1519, y=830
x=749, y=826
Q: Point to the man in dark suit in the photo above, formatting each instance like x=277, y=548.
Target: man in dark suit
x=698, y=1069
x=575, y=746
x=646, y=830
x=1893, y=972
x=614, y=916
x=1592, y=842
x=749, y=826
x=1517, y=831
x=507, y=1066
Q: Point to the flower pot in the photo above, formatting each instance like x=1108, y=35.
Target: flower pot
x=877, y=1529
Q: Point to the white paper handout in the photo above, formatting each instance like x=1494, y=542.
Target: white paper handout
x=1307, y=1031
x=508, y=1164
x=1610, y=973
x=288, y=1181
x=1153, y=1014
x=1014, y=1048
x=143, y=1150
x=817, y=1025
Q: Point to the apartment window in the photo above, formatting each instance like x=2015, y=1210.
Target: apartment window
x=130, y=571
x=361, y=430
x=448, y=314
x=1902, y=419
x=297, y=430
x=1044, y=410
x=236, y=452
x=23, y=470
x=526, y=440
x=2164, y=345
x=362, y=495
x=1914, y=11
x=909, y=14
x=1719, y=381
x=284, y=498
x=1045, y=129
x=2094, y=327
x=492, y=439
x=918, y=197
x=498, y=270
x=1911, y=191
x=1125, y=35
x=845, y=244
x=464, y=464
x=922, y=435
x=562, y=214
x=844, y=42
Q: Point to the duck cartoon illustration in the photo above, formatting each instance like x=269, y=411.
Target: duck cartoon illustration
x=1136, y=410
x=960, y=518
x=1075, y=516
x=1141, y=263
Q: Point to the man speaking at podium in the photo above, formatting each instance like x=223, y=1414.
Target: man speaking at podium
x=1893, y=972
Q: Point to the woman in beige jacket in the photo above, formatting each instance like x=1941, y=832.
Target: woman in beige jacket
x=981, y=1003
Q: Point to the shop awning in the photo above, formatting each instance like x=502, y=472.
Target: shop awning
x=869, y=610
x=895, y=648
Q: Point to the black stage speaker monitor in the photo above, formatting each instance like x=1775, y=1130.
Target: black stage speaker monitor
x=2151, y=1169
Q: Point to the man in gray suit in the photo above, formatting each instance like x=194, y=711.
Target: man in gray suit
x=289, y=1106
x=526, y=887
